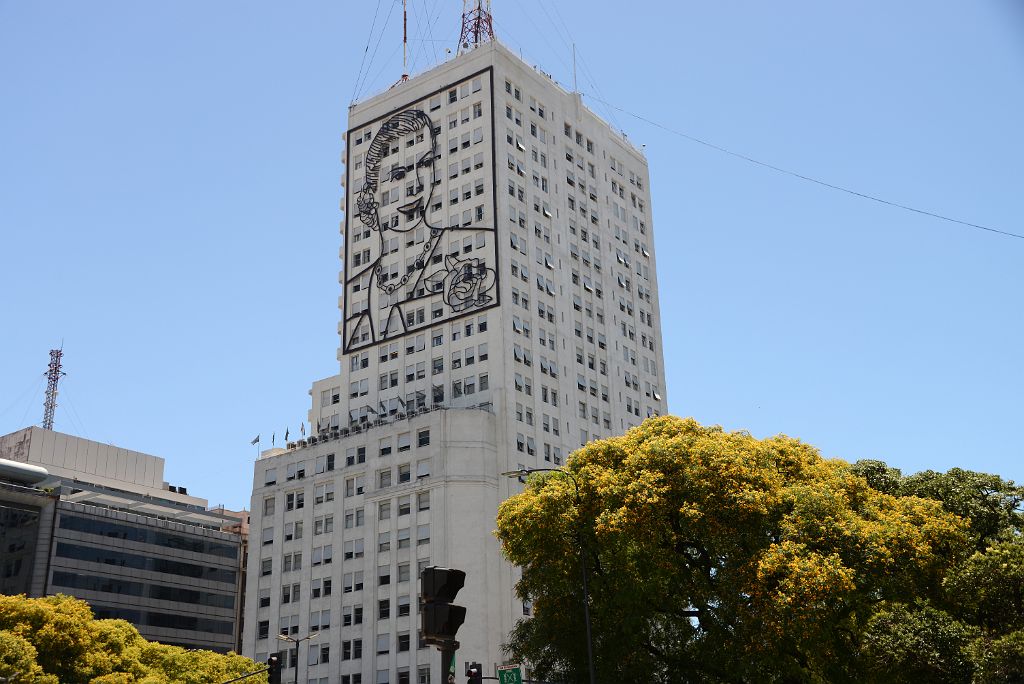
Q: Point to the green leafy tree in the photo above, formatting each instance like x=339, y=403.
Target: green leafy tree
x=715, y=556
x=911, y=644
x=1000, y=660
x=983, y=592
x=991, y=504
x=988, y=588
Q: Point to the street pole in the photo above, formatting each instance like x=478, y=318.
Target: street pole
x=285, y=637
x=448, y=661
x=521, y=475
x=586, y=609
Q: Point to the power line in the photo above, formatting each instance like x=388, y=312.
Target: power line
x=369, y=37
x=373, y=56
x=801, y=176
x=37, y=383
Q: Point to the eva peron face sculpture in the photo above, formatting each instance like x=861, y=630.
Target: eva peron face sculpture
x=394, y=203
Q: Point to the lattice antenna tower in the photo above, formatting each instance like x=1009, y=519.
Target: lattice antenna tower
x=53, y=376
x=477, y=26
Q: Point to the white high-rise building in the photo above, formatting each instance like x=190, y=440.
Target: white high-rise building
x=499, y=308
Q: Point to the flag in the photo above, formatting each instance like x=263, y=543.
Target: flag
x=303, y=428
x=286, y=434
x=255, y=440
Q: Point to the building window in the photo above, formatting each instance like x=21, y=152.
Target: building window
x=423, y=468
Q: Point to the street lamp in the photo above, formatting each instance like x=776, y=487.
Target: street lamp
x=521, y=476
x=285, y=637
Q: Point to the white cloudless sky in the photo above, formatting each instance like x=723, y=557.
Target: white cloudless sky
x=169, y=209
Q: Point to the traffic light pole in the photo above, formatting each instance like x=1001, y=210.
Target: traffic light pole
x=448, y=650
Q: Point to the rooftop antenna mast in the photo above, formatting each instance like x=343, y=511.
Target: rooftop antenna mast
x=405, y=43
x=53, y=376
x=477, y=26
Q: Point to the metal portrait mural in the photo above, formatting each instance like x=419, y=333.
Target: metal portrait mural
x=396, y=286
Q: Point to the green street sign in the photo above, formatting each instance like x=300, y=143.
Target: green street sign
x=510, y=674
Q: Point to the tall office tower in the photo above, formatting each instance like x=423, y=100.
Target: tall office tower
x=498, y=310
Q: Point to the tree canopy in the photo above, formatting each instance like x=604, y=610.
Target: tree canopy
x=718, y=557
x=56, y=640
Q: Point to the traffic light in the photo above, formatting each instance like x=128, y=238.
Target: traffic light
x=274, y=669
x=439, y=618
x=474, y=674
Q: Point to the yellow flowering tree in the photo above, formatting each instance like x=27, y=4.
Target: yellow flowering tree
x=715, y=557
x=56, y=639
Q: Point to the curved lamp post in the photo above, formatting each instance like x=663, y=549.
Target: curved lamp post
x=521, y=476
x=285, y=637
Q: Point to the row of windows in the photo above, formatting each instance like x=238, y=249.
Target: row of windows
x=128, y=560
x=177, y=542
x=355, y=548
x=354, y=455
x=434, y=103
x=528, y=445
x=165, y=620
x=111, y=585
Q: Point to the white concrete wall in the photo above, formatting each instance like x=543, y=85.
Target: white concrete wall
x=71, y=457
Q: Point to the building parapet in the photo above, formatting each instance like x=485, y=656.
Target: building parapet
x=358, y=427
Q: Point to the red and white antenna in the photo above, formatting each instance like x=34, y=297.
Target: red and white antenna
x=477, y=26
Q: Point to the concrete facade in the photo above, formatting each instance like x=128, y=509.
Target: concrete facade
x=499, y=300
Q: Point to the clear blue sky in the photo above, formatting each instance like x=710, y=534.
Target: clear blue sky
x=169, y=209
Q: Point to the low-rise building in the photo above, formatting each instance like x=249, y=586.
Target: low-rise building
x=98, y=522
